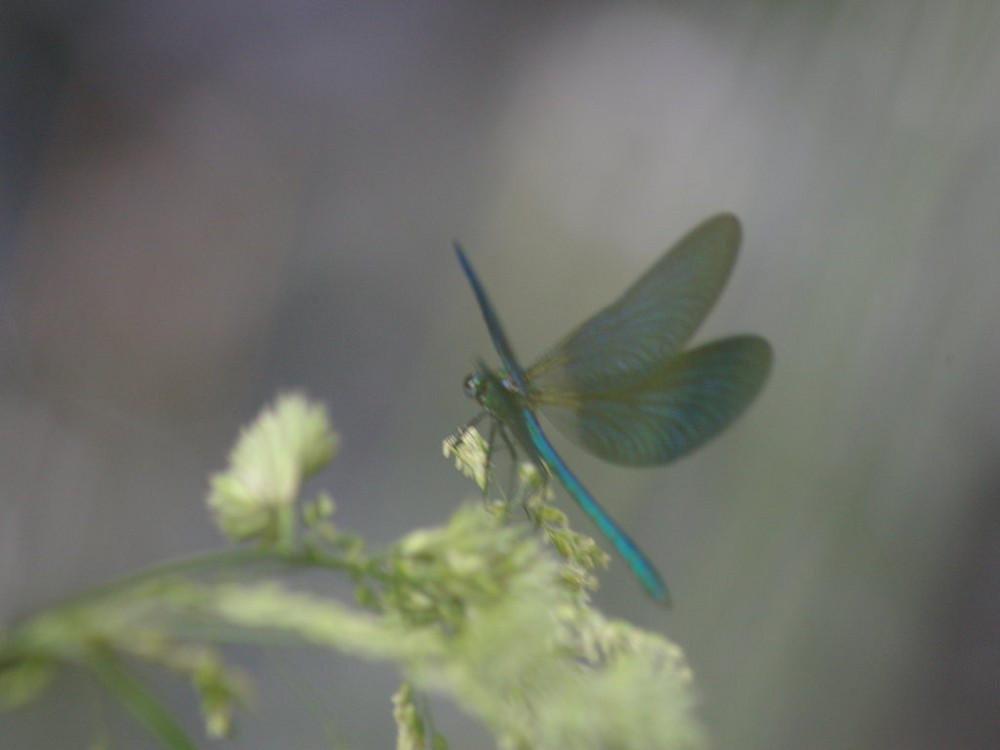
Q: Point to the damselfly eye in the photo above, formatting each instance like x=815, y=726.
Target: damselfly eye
x=471, y=385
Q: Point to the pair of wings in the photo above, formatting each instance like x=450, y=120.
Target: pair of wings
x=621, y=386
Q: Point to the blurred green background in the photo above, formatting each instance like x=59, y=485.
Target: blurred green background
x=204, y=202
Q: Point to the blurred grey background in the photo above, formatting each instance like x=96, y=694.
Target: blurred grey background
x=206, y=202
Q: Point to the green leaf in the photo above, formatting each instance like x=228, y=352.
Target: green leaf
x=22, y=679
x=146, y=707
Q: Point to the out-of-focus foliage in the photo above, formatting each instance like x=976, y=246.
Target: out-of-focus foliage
x=478, y=609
